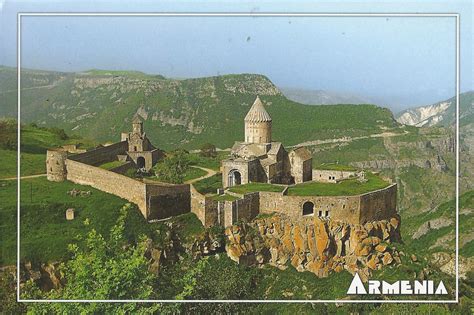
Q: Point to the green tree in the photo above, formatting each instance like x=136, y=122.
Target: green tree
x=208, y=150
x=8, y=303
x=101, y=269
x=173, y=167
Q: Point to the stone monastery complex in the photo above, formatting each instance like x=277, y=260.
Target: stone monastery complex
x=257, y=159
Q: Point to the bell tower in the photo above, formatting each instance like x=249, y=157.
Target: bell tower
x=258, y=124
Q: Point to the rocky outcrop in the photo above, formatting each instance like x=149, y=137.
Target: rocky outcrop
x=436, y=163
x=315, y=245
x=434, y=224
x=447, y=263
x=46, y=275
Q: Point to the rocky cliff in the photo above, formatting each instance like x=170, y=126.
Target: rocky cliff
x=315, y=245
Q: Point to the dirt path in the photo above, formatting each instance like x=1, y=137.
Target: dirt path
x=347, y=139
x=49, y=86
x=23, y=177
x=209, y=174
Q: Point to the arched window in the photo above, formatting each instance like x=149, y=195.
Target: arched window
x=235, y=178
x=308, y=208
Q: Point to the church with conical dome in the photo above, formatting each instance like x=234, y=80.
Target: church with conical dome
x=260, y=159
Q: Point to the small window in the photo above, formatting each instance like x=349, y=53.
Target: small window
x=308, y=208
x=320, y=214
x=327, y=214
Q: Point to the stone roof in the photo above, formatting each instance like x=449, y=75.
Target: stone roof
x=252, y=150
x=276, y=146
x=257, y=112
x=267, y=161
x=302, y=153
x=137, y=119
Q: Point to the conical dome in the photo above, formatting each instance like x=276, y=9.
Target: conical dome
x=257, y=112
x=137, y=119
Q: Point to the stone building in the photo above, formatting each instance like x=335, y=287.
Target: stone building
x=259, y=159
x=140, y=149
x=155, y=200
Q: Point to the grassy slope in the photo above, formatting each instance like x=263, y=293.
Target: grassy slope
x=34, y=143
x=45, y=232
x=346, y=187
x=427, y=243
x=209, y=185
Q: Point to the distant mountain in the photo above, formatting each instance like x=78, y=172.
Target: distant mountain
x=320, y=97
x=100, y=104
x=441, y=113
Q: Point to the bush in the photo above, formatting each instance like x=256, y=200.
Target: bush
x=208, y=150
x=173, y=168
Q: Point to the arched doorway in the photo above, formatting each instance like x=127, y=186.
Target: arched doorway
x=308, y=208
x=140, y=162
x=234, y=178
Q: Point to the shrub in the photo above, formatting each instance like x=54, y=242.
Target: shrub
x=208, y=150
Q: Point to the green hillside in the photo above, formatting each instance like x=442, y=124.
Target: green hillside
x=99, y=104
x=34, y=143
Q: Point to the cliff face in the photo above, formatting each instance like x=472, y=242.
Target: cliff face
x=441, y=113
x=314, y=245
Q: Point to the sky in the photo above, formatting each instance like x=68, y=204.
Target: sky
x=399, y=62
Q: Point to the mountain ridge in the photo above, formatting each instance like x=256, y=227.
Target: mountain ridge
x=184, y=113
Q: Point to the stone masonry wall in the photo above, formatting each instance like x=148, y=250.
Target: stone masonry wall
x=110, y=182
x=101, y=155
x=340, y=207
x=164, y=201
x=205, y=208
x=378, y=205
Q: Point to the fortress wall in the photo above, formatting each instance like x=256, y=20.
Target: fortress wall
x=378, y=205
x=101, y=155
x=241, y=209
x=205, y=208
x=110, y=182
x=247, y=208
x=198, y=204
x=339, y=207
x=165, y=201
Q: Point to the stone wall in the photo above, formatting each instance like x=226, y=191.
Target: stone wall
x=245, y=208
x=109, y=182
x=164, y=201
x=378, y=205
x=331, y=176
x=101, y=155
x=338, y=207
x=205, y=208
x=155, y=201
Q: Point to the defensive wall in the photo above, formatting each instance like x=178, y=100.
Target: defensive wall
x=358, y=209
x=155, y=200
